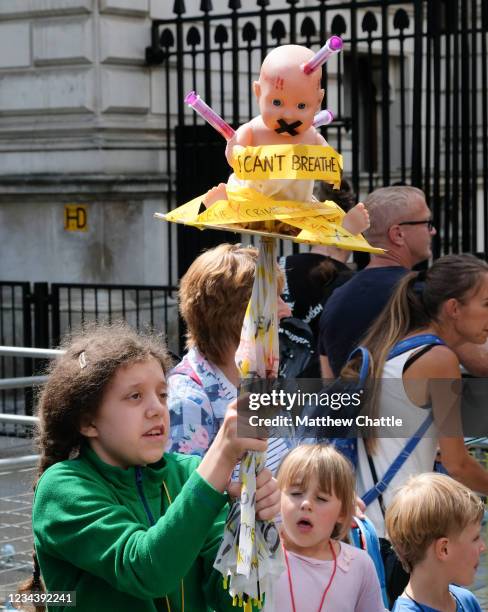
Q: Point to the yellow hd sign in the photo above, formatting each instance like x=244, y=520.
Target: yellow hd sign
x=309, y=162
x=76, y=217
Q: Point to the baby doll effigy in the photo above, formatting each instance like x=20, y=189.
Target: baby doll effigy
x=276, y=157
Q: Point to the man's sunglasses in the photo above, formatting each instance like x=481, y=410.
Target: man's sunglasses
x=429, y=223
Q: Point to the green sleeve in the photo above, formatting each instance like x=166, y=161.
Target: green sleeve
x=75, y=518
x=216, y=596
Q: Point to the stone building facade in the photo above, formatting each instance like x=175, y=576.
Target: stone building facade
x=81, y=141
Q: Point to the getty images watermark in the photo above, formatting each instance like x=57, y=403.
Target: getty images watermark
x=334, y=402
x=332, y=409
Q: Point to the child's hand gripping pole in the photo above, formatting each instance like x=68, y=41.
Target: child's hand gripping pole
x=210, y=116
x=332, y=46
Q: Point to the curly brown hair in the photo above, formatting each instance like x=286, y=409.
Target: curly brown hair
x=77, y=380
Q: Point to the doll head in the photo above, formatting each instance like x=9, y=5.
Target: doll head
x=287, y=97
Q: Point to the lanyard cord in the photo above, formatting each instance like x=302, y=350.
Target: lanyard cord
x=182, y=585
x=459, y=605
x=290, y=584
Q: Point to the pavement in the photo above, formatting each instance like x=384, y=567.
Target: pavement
x=15, y=518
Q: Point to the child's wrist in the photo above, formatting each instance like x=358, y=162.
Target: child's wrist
x=216, y=467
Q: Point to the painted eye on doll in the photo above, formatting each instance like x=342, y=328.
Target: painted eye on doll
x=301, y=105
x=276, y=102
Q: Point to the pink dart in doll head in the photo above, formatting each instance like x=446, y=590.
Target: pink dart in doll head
x=288, y=98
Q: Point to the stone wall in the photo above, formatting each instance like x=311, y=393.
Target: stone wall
x=81, y=122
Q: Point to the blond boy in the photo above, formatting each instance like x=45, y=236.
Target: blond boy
x=434, y=524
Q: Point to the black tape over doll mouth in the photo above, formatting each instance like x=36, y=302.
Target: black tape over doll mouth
x=289, y=128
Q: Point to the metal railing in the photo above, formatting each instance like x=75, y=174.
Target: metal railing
x=16, y=498
x=40, y=314
x=17, y=383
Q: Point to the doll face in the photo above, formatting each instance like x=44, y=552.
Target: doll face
x=288, y=100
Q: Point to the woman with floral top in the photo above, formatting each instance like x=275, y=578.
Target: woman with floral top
x=213, y=295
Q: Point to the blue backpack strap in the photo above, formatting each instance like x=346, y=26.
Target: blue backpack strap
x=381, y=486
x=363, y=535
x=414, y=342
x=363, y=371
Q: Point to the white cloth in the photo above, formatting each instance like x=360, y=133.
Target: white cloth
x=300, y=190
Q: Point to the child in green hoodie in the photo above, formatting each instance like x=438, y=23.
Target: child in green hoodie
x=117, y=521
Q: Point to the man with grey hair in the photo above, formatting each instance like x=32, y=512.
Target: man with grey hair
x=401, y=223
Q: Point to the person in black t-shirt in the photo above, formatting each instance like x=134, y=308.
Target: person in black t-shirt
x=310, y=278
x=401, y=223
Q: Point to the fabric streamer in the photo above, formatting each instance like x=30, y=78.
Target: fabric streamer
x=250, y=557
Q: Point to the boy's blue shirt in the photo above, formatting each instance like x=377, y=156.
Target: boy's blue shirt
x=466, y=602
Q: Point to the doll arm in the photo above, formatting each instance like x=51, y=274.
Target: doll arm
x=243, y=137
x=320, y=140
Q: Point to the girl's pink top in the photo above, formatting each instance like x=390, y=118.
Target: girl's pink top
x=355, y=587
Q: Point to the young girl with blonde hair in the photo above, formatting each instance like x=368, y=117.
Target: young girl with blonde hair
x=317, y=503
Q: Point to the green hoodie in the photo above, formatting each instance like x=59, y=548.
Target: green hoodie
x=94, y=534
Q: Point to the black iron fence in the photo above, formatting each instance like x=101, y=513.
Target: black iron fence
x=39, y=314
x=15, y=330
x=409, y=92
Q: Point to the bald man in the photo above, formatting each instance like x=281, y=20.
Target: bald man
x=401, y=223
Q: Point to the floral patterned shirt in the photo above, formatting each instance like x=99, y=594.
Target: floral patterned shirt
x=198, y=396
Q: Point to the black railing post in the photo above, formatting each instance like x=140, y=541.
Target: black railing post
x=436, y=199
x=417, y=96
x=41, y=315
x=154, y=53
x=55, y=315
x=385, y=96
x=484, y=117
x=467, y=197
x=456, y=123
x=474, y=126
x=354, y=100
x=206, y=7
x=27, y=341
x=292, y=11
x=263, y=26
x=234, y=5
